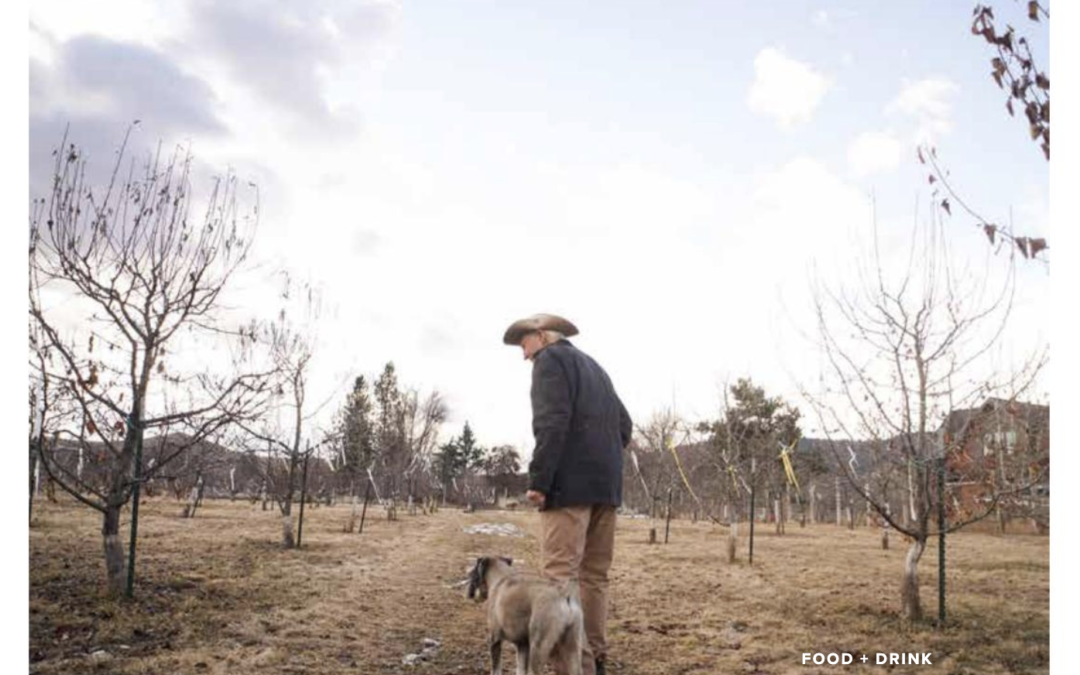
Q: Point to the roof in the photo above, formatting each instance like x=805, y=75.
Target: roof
x=1036, y=416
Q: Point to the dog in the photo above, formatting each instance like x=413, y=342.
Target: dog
x=542, y=618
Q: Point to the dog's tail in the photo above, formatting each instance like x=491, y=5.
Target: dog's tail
x=575, y=616
x=572, y=592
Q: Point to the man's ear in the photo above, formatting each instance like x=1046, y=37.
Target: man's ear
x=508, y=561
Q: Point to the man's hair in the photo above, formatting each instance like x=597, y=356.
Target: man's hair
x=551, y=336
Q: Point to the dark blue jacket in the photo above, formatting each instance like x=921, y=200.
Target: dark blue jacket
x=581, y=428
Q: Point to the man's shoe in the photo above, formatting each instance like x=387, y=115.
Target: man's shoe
x=600, y=669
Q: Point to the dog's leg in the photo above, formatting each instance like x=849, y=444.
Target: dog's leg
x=541, y=643
x=523, y=659
x=569, y=650
x=496, y=655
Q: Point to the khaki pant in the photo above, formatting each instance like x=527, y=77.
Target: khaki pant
x=577, y=543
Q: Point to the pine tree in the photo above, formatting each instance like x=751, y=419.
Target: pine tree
x=389, y=417
x=447, y=459
x=471, y=453
x=356, y=430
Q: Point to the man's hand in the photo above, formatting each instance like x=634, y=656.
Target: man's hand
x=536, y=497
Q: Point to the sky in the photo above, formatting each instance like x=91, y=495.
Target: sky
x=668, y=178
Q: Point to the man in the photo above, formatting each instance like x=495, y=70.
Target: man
x=575, y=476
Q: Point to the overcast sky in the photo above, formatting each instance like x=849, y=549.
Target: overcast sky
x=665, y=177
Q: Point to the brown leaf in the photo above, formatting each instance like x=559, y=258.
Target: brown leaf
x=997, y=78
x=1009, y=107
x=1033, y=10
x=918, y=151
x=945, y=205
x=1032, y=112
x=932, y=179
x=1022, y=244
x=1036, y=131
x=91, y=428
x=1037, y=245
x=1046, y=150
x=990, y=231
x=1042, y=81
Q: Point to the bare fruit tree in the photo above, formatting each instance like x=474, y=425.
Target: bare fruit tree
x=652, y=454
x=125, y=278
x=283, y=439
x=904, y=349
x=422, y=418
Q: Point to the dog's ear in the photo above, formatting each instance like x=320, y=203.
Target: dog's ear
x=474, y=579
x=508, y=561
x=476, y=576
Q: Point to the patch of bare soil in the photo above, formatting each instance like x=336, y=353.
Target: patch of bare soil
x=217, y=594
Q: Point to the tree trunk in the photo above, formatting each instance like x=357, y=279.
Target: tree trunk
x=910, y=511
x=909, y=589
x=839, y=508
x=869, y=523
x=733, y=540
x=350, y=527
x=114, y=550
x=813, y=504
x=288, y=540
x=363, y=513
x=193, y=500
x=885, y=529
x=33, y=484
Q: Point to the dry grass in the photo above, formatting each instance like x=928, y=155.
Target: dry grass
x=217, y=595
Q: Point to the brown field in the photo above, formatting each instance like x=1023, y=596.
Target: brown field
x=216, y=594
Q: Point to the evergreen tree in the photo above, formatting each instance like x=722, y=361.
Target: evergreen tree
x=389, y=419
x=356, y=433
x=471, y=453
x=447, y=461
x=456, y=458
x=753, y=429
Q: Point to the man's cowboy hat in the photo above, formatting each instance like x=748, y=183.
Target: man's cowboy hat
x=522, y=327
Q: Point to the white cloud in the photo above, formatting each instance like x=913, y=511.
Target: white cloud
x=873, y=152
x=785, y=89
x=803, y=212
x=821, y=19
x=929, y=102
